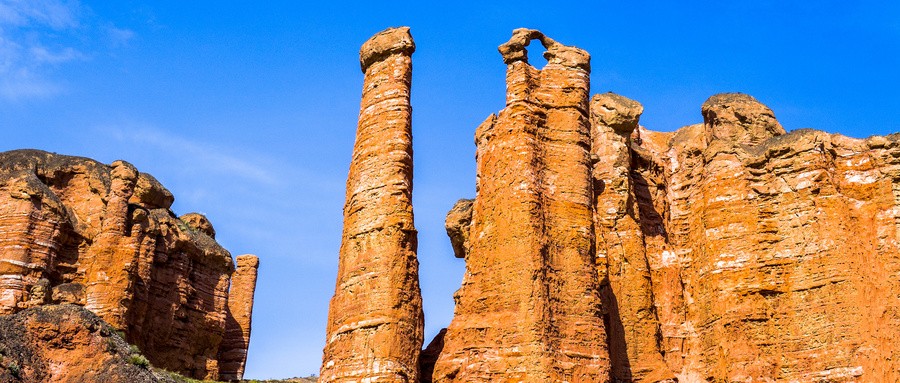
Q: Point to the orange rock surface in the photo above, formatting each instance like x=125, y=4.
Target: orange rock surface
x=73, y=230
x=529, y=308
x=776, y=257
x=623, y=268
x=375, y=320
x=233, y=350
x=67, y=344
x=597, y=250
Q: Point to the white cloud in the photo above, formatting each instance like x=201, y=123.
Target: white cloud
x=55, y=14
x=33, y=44
x=118, y=36
x=201, y=156
x=41, y=54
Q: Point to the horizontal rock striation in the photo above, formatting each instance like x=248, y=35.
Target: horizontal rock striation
x=529, y=308
x=774, y=254
x=236, y=341
x=73, y=230
x=597, y=250
x=375, y=319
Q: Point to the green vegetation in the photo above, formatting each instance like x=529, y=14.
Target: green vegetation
x=14, y=369
x=138, y=360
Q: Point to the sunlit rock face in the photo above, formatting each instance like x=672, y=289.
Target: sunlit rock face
x=599, y=251
x=236, y=341
x=73, y=230
x=623, y=232
x=725, y=251
x=529, y=308
x=773, y=256
x=375, y=320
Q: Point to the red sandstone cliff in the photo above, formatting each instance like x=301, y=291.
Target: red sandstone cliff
x=73, y=230
x=773, y=256
x=728, y=251
x=598, y=250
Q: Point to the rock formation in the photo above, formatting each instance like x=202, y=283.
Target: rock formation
x=623, y=268
x=233, y=350
x=73, y=230
x=67, y=344
x=375, y=321
x=597, y=250
x=529, y=308
x=773, y=253
x=725, y=251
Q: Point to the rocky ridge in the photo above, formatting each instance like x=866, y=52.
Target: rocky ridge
x=73, y=230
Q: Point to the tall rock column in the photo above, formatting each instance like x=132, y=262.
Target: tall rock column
x=233, y=351
x=529, y=308
x=632, y=323
x=114, y=253
x=375, y=321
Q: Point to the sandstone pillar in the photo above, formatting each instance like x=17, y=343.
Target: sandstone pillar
x=375, y=324
x=113, y=253
x=631, y=318
x=529, y=308
x=233, y=351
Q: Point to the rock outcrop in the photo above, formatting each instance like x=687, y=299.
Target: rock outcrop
x=597, y=250
x=73, y=230
x=375, y=320
x=233, y=350
x=623, y=268
x=773, y=256
x=67, y=344
x=529, y=308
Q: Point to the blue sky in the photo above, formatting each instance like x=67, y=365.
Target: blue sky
x=247, y=111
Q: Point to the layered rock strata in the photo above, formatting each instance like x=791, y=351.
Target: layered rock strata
x=784, y=244
x=73, y=230
x=236, y=342
x=375, y=320
x=529, y=308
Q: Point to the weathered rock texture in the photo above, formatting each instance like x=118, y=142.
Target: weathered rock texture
x=597, y=250
x=767, y=257
x=73, y=230
x=529, y=308
x=375, y=321
x=233, y=350
x=622, y=264
x=66, y=344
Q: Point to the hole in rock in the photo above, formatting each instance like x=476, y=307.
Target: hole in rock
x=536, y=54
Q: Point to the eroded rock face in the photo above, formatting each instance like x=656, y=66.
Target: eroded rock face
x=770, y=254
x=623, y=268
x=233, y=350
x=529, y=308
x=375, y=320
x=65, y=344
x=458, y=225
x=73, y=230
x=597, y=250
